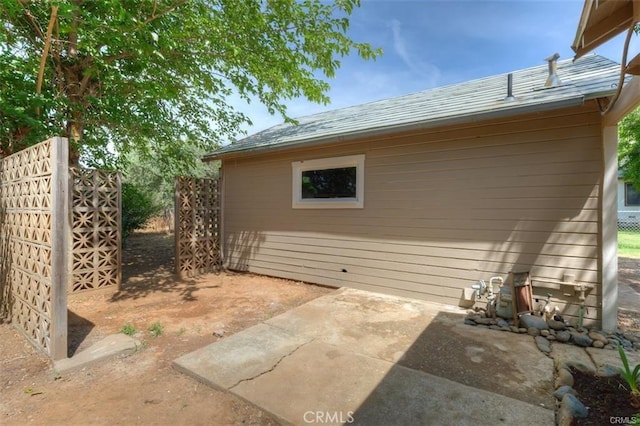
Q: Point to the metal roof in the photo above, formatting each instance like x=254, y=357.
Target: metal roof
x=589, y=77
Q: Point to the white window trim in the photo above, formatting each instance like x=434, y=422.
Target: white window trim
x=328, y=163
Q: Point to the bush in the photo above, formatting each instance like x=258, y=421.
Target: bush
x=137, y=208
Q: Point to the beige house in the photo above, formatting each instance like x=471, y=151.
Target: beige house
x=424, y=195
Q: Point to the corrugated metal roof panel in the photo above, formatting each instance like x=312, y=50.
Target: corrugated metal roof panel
x=589, y=77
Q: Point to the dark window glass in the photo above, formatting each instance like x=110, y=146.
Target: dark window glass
x=631, y=196
x=329, y=183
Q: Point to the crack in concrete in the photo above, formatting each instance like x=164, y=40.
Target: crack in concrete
x=262, y=373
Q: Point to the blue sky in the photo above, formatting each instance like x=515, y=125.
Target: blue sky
x=432, y=43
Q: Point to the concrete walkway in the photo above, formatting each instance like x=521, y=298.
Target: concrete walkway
x=364, y=358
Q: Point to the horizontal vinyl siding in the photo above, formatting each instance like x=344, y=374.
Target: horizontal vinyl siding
x=443, y=209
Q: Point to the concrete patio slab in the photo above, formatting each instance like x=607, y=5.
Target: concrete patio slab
x=572, y=356
x=241, y=356
x=112, y=345
x=608, y=361
x=377, y=325
x=356, y=356
x=371, y=391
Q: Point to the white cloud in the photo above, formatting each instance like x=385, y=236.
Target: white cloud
x=429, y=73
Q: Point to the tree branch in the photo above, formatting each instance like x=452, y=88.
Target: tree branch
x=45, y=51
x=32, y=22
x=153, y=16
x=123, y=55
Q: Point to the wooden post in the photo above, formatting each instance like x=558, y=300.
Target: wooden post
x=119, y=216
x=60, y=245
x=176, y=225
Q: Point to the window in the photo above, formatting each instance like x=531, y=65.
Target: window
x=329, y=183
x=631, y=195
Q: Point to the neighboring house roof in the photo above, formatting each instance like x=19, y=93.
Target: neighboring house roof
x=589, y=77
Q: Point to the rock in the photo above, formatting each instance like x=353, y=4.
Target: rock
x=513, y=328
x=611, y=347
x=556, y=325
x=575, y=407
x=494, y=327
x=565, y=418
x=543, y=344
x=532, y=331
x=219, y=333
x=564, y=378
x=562, y=391
x=469, y=321
x=622, y=341
x=613, y=340
x=594, y=335
x=484, y=321
x=529, y=321
x=522, y=330
x=631, y=337
x=608, y=371
x=544, y=333
x=502, y=323
x=598, y=344
x=551, y=338
x=563, y=336
x=580, y=339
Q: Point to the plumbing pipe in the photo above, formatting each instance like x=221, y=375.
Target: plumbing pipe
x=582, y=299
x=479, y=288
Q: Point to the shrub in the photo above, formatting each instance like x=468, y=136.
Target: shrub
x=137, y=208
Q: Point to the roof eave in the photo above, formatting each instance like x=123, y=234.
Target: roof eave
x=567, y=102
x=602, y=20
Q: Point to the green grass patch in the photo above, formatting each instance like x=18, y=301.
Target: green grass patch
x=128, y=329
x=156, y=329
x=629, y=244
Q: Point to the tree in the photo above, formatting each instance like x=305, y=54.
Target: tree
x=150, y=171
x=152, y=75
x=629, y=147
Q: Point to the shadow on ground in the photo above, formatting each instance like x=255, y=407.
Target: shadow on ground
x=448, y=349
x=148, y=266
x=78, y=330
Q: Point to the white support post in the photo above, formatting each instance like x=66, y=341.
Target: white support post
x=609, y=228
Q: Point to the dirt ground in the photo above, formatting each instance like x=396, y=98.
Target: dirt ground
x=143, y=388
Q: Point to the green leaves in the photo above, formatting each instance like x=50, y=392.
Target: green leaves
x=629, y=147
x=632, y=377
x=142, y=75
